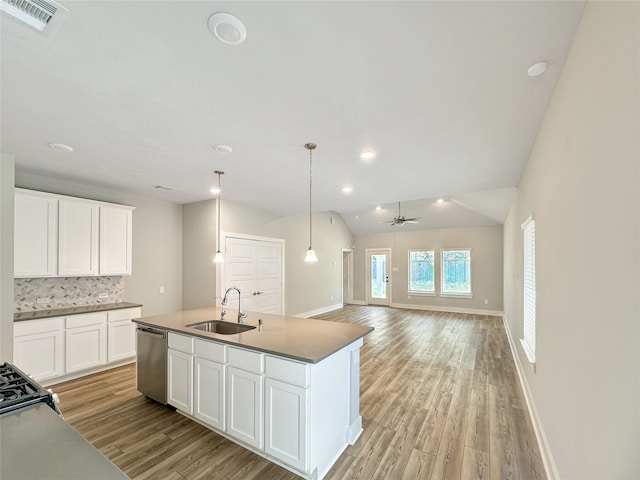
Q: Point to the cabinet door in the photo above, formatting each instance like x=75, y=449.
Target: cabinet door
x=40, y=355
x=115, y=240
x=86, y=347
x=121, y=340
x=244, y=406
x=208, y=396
x=286, y=423
x=77, y=238
x=35, y=235
x=180, y=380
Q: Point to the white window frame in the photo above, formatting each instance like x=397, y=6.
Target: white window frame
x=529, y=289
x=426, y=293
x=468, y=294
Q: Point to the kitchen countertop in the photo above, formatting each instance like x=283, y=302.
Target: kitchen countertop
x=62, y=312
x=36, y=444
x=304, y=339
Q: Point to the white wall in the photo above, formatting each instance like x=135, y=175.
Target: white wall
x=157, y=242
x=582, y=182
x=486, y=265
x=6, y=257
x=308, y=287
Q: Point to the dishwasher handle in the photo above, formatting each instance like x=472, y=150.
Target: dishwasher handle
x=151, y=332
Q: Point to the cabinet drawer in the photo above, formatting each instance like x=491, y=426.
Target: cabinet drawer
x=86, y=319
x=244, y=359
x=124, y=314
x=29, y=327
x=181, y=343
x=288, y=371
x=210, y=350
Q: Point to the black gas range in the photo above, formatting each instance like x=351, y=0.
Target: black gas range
x=18, y=390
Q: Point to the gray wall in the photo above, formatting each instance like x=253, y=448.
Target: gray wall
x=308, y=287
x=582, y=183
x=486, y=265
x=157, y=242
x=6, y=257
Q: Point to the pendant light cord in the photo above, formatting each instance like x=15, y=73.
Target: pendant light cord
x=310, y=183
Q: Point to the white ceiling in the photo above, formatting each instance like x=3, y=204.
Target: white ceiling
x=143, y=91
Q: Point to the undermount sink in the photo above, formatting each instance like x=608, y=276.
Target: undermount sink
x=221, y=327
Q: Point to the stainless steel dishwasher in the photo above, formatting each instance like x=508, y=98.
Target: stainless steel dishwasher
x=152, y=363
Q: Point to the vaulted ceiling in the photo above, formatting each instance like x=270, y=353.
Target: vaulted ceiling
x=143, y=91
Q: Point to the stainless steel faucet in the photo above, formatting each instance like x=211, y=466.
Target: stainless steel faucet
x=241, y=315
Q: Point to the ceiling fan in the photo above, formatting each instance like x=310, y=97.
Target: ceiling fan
x=400, y=220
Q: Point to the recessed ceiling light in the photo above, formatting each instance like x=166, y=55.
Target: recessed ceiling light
x=166, y=188
x=347, y=189
x=537, y=69
x=60, y=147
x=378, y=208
x=227, y=28
x=220, y=148
x=440, y=201
x=368, y=154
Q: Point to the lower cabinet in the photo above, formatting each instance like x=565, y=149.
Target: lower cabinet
x=286, y=422
x=85, y=341
x=121, y=334
x=244, y=406
x=38, y=347
x=208, y=392
x=180, y=372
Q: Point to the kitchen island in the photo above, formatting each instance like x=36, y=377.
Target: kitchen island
x=287, y=389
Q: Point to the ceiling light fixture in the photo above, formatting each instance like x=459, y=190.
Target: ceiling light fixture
x=537, y=69
x=60, y=147
x=347, y=189
x=311, y=253
x=227, y=28
x=378, y=208
x=368, y=154
x=219, y=258
x=440, y=201
x=220, y=148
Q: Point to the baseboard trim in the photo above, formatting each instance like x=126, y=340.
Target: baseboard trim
x=319, y=311
x=436, y=308
x=541, y=438
x=357, y=302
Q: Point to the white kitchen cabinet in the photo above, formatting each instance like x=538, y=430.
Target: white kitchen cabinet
x=244, y=406
x=85, y=341
x=180, y=372
x=208, y=393
x=121, y=334
x=77, y=237
x=115, y=239
x=35, y=234
x=286, y=423
x=38, y=347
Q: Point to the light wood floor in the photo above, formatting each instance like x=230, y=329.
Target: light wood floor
x=440, y=399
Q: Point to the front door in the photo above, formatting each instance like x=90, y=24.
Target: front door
x=378, y=268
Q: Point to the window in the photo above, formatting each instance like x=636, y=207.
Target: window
x=456, y=272
x=529, y=288
x=421, y=279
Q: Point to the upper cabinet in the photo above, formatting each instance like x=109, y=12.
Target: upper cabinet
x=36, y=235
x=60, y=236
x=115, y=239
x=77, y=238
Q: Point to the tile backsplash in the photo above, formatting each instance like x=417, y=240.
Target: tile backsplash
x=32, y=294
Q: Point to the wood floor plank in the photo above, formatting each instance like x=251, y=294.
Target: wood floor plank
x=440, y=398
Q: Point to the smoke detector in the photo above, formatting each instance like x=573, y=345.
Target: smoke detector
x=42, y=16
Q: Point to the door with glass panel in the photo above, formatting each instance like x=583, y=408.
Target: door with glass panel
x=378, y=276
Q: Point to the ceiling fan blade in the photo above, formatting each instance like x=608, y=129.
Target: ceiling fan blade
x=411, y=221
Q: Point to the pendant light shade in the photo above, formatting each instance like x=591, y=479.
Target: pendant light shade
x=219, y=258
x=311, y=253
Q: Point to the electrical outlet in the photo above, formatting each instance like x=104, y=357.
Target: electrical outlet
x=162, y=290
x=103, y=295
x=486, y=302
x=42, y=300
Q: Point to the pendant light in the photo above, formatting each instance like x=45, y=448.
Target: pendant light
x=219, y=258
x=311, y=253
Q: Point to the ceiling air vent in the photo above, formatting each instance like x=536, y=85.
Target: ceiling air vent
x=164, y=187
x=38, y=14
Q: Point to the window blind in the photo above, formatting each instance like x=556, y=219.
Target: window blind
x=529, y=285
